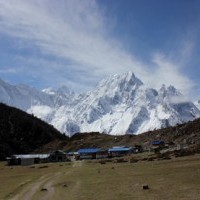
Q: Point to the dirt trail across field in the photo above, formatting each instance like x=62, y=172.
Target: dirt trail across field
x=49, y=186
x=77, y=163
x=45, y=182
x=44, y=186
x=29, y=191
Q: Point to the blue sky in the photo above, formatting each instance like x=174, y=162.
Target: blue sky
x=79, y=42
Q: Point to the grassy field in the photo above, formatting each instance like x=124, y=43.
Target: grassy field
x=88, y=180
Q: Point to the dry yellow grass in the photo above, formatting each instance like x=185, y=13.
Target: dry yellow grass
x=170, y=179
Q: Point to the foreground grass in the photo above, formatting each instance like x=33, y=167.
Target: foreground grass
x=171, y=179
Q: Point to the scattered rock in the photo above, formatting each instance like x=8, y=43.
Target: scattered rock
x=133, y=160
x=65, y=185
x=44, y=166
x=145, y=187
x=44, y=189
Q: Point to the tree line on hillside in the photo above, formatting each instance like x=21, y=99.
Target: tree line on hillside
x=22, y=133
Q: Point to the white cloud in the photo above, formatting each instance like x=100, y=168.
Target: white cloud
x=41, y=110
x=8, y=71
x=187, y=48
x=78, y=32
x=179, y=99
x=169, y=72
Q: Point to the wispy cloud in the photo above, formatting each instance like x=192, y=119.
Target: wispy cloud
x=78, y=32
x=169, y=72
x=8, y=71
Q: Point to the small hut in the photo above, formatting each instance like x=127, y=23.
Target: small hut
x=157, y=145
x=58, y=156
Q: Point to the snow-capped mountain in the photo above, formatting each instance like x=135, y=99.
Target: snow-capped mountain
x=22, y=96
x=118, y=105
x=197, y=104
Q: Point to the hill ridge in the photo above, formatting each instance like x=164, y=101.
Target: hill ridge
x=23, y=133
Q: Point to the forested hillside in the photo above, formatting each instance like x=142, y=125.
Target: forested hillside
x=23, y=133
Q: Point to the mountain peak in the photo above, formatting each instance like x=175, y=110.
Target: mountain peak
x=125, y=81
x=128, y=77
x=167, y=91
x=49, y=90
x=64, y=90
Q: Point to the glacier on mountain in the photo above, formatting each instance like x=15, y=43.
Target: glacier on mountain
x=120, y=104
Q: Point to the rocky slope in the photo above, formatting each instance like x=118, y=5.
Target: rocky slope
x=187, y=135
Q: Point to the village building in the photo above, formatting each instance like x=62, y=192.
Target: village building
x=58, y=156
x=102, y=154
x=137, y=149
x=89, y=153
x=27, y=159
x=119, y=151
x=157, y=145
x=30, y=159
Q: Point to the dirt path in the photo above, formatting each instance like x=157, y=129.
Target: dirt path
x=33, y=189
x=47, y=182
x=50, y=188
x=77, y=163
x=30, y=190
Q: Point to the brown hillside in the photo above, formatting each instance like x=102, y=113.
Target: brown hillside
x=187, y=134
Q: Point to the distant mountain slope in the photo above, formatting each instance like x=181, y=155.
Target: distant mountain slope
x=120, y=104
x=187, y=134
x=23, y=133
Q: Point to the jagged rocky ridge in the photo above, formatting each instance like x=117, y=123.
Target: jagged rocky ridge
x=120, y=104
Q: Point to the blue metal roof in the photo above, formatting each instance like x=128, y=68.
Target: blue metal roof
x=115, y=149
x=89, y=150
x=157, y=142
